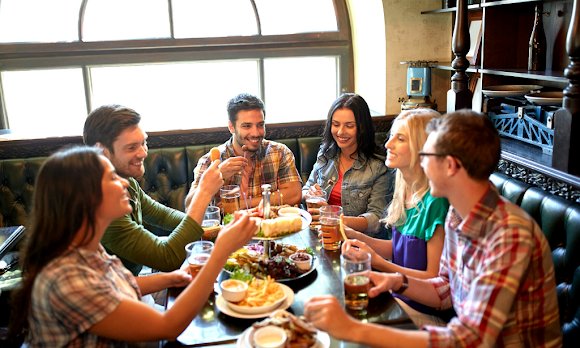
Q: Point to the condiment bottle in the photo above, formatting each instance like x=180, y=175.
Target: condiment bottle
x=266, y=191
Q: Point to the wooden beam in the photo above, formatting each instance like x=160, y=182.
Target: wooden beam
x=567, y=120
x=459, y=96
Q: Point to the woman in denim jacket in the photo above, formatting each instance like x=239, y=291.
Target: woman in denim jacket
x=349, y=170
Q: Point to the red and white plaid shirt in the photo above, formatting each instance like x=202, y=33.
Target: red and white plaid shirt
x=497, y=272
x=272, y=164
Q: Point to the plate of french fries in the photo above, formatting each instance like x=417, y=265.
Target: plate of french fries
x=300, y=333
x=262, y=298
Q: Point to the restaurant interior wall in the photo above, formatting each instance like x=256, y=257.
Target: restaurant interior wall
x=411, y=36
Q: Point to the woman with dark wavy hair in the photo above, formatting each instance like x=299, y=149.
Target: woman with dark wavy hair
x=73, y=292
x=349, y=168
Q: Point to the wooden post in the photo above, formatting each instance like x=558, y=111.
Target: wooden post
x=567, y=120
x=459, y=96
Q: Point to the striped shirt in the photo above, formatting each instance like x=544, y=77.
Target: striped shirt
x=272, y=164
x=497, y=272
x=74, y=292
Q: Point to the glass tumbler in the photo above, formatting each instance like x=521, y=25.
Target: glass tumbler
x=356, y=268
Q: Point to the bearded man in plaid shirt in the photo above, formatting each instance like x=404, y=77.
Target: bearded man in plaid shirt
x=248, y=160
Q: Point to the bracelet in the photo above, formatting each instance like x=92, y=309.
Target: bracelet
x=404, y=284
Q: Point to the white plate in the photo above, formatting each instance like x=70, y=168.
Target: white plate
x=244, y=341
x=222, y=305
x=257, y=310
x=546, y=98
x=509, y=90
x=306, y=220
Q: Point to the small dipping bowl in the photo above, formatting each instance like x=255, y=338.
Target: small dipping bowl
x=270, y=337
x=289, y=211
x=233, y=290
x=302, y=260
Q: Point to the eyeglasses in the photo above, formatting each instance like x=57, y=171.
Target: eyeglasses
x=422, y=154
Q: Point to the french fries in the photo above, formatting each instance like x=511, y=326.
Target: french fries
x=262, y=292
x=214, y=154
x=341, y=227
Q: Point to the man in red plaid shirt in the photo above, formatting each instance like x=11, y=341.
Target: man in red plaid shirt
x=496, y=266
x=248, y=160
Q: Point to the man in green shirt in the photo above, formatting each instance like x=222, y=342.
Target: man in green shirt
x=116, y=130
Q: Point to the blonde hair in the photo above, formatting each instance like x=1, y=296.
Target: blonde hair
x=414, y=122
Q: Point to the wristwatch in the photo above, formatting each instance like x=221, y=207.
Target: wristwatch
x=404, y=284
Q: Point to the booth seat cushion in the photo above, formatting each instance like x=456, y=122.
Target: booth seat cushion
x=17, y=177
x=560, y=222
x=166, y=177
x=307, y=151
x=513, y=190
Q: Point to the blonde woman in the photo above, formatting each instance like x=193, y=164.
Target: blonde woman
x=415, y=217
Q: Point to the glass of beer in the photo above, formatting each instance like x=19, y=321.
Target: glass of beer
x=230, y=197
x=198, y=254
x=211, y=222
x=356, y=268
x=329, y=226
x=316, y=201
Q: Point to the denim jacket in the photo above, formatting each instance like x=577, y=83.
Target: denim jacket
x=365, y=187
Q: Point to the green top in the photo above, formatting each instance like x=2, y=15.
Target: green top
x=423, y=222
x=127, y=238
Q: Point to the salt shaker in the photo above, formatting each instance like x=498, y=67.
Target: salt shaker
x=266, y=191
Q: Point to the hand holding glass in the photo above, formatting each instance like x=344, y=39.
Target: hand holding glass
x=315, y=199
x=198, y=254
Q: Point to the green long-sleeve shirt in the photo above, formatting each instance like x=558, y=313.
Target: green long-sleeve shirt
x=127, y=238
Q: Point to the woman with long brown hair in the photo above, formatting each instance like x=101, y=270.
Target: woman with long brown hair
x=73, y=292
x=349, y=166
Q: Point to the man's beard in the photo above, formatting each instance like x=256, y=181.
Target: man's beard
x=244, y=144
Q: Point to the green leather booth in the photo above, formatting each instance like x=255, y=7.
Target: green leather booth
x=168, y=175
x=560, y=222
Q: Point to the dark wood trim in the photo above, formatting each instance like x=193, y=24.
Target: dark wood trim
x=507, y=2
x=43, y=147
x=555, y=185
x=567, y=120
x=474, y=7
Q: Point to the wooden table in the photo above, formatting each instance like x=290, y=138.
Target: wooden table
x=212, y=327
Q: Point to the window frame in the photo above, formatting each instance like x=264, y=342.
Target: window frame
x=19, y=56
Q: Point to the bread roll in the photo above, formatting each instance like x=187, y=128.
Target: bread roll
x=281, y=226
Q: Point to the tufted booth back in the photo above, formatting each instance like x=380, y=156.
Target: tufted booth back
x=168, y=175
x=560, y=222
x=17, y=178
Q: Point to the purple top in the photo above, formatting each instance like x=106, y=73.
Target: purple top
x=410, y=239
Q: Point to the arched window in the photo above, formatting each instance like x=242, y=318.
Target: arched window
x=177, y=62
